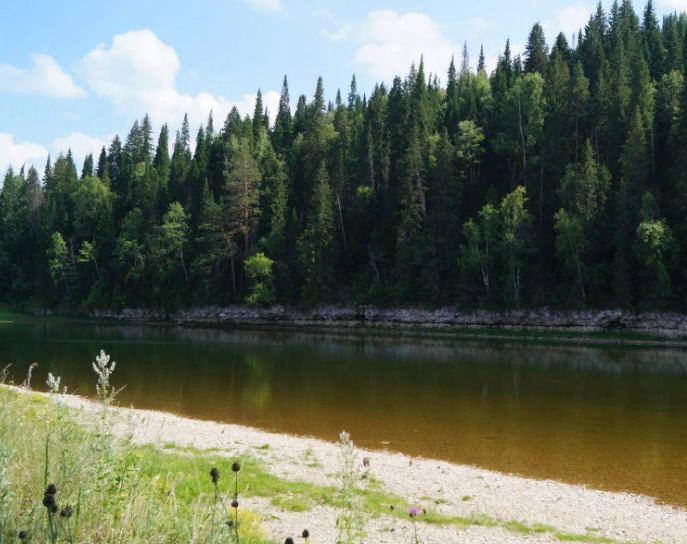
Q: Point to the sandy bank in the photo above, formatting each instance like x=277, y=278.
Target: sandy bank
x=438, y=485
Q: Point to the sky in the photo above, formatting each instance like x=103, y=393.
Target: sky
x=75, y=73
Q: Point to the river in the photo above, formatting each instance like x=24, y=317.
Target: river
x=613, y=418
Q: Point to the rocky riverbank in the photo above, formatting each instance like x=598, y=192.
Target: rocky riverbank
x=669, y=324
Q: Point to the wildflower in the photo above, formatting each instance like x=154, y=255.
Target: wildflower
x=412, y=511
x=215, y=475
x=288, y=541
x=27, y=473
x=53, y=383
x=48, y=501
x=103, y=371
x=22, y=535
x=235, y=467
x=51, y=489
x=306, y=534
x=234, y=503
x=67, y=512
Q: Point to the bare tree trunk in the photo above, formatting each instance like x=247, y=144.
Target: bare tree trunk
x=541, y=195
x=374, y=265
x=183, y=264
x=233, y=273
x=522, y=134
x=577, y=131
x=579, y=270
x=97, y=270
x=343, y=232
x=653, y=158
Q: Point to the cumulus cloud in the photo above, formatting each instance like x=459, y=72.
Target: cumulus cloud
x=679, y=5
x=568, y=20
x=138, y=74
x=269, y=6
x=16, y=154
x=45, y=78
x=391, y=42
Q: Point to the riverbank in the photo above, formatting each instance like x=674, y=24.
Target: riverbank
x=465, y=504
x=595, y=327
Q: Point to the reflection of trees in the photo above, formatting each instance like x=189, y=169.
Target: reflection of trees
x=259, y=379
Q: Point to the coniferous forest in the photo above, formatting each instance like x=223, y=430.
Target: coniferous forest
x=559, y=179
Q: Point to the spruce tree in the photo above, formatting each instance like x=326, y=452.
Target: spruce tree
x=536, y=51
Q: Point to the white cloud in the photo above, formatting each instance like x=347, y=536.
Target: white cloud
x=344, y=33
x=46, y=78
x=17, y=154
x=568, y=20
x=138, y=73
x=392, y=42
x=269, y=6
x=81, y=145
x=679, y=5
x=35, y=155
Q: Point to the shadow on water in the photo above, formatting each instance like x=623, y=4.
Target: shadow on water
x=610, y=417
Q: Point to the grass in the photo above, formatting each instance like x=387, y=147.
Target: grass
x=119, y=492
x=123, y=492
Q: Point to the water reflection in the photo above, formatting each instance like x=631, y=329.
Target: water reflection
x=608, y=417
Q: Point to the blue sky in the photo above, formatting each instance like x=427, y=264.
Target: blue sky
x=74, y=73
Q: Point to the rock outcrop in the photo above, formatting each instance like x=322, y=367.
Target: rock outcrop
x=659, y=324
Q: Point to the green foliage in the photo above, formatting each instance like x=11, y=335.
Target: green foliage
x=259, y=270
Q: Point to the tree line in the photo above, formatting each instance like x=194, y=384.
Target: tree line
x=559, y=179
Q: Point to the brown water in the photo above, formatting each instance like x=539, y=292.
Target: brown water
x=610, y=417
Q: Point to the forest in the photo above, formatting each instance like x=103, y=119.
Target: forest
x=560, y=180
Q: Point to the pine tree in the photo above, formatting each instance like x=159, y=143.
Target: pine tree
x=257, y=116
x=283, y=126
x=316, y=245
x=103, y=171
x=654, y=42
x=353, y=96
x=146, y=141
x=87, y=169
x=536, y=51
x=481, y=65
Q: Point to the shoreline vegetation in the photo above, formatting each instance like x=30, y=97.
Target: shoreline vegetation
x=592, y=327
x=108, y=462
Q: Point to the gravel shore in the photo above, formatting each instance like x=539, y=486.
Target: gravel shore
x=570, y=508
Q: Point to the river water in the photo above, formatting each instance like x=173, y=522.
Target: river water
x=612, y=418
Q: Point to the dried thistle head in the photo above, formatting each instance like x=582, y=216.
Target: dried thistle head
x=235, y=466
x=67, y=512
x=51, y=489
x=366, y=462
x=234, y=503
x=22, y=535
x=103, y=369
x=53, y=383
x=48, y=501
x=306, y=534
x=289, y=540
x=215, y=475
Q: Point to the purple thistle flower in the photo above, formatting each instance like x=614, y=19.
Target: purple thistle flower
x=412, y=511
